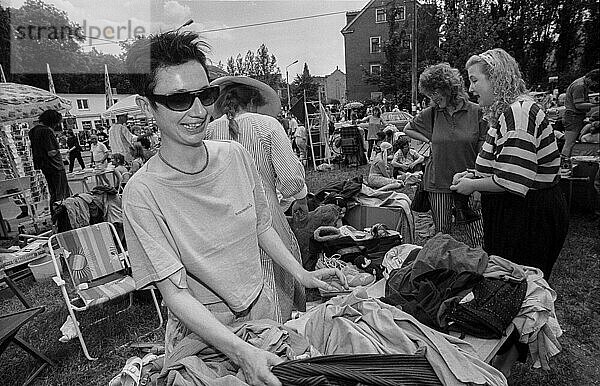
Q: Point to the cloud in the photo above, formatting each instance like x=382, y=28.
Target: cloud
x=176, y=13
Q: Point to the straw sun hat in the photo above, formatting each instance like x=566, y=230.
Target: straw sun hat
x=272, y=106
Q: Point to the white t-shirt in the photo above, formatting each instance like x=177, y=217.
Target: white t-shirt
x=201, y=227
x=98, y=151
x=293, y=125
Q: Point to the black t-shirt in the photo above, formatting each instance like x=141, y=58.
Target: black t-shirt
x=43, y=140
x=73, y=142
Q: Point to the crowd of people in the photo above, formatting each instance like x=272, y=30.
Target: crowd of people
x=202, y=218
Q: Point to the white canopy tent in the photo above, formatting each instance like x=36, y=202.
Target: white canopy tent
x=124, y=106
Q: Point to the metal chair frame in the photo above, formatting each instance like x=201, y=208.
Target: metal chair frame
x=71, y=307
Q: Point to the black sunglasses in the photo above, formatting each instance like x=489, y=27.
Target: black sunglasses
x=183, y=101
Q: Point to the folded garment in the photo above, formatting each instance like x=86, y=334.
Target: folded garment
x=357, y=324
x=395, y=257
x=365, y=369
x=193, y=362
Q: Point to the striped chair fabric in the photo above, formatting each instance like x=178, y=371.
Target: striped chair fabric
x=94, y=264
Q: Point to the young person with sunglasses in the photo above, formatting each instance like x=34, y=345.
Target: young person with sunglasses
x=196, y=213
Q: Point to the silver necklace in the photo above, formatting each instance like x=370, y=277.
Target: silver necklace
x=183, y=171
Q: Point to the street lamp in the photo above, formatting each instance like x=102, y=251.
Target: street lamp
x=287, y=81
x=190, y=21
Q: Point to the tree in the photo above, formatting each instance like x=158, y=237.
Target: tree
x=261, y=66
x=73, y=71
x=465, y=33
x=230, y=66
x=249, y=65
x=239, y=65
x=266, y=69
x=305, y=82
x=394, y=80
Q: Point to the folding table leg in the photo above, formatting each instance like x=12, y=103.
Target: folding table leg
x=16, y=290
x=36, y=354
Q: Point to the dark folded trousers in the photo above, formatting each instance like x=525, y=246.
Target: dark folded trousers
x=58, y=186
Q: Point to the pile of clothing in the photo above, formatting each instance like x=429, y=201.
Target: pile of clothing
x=83, y=209
x=358, y=324
x=449, y=286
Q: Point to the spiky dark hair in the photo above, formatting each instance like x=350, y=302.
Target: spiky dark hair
x=147, y=55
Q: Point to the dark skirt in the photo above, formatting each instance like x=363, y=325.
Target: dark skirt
x=526, y=230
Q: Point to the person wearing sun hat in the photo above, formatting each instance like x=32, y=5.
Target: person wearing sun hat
x=246, y=110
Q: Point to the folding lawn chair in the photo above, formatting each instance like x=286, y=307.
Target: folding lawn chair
x=98, y=270
x=350, y=143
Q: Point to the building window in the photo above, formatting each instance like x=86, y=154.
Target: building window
x=380, y=15
x=375, y=44
x=400, y=13
x=406, y=42
x=82, y=104
x=375, y=69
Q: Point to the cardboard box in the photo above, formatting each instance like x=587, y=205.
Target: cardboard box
x=361, y=217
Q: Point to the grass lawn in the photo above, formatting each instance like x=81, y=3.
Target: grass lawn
x=576, y=279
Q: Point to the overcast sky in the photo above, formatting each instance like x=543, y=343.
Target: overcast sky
x=316, y=40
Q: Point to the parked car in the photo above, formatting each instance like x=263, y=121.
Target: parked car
x=396, y=118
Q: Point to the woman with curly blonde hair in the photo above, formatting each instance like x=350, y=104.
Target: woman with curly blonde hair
x=455, y=129
x=524, y=212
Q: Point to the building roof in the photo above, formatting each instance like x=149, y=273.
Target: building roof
x=346, y=29
x=338, y=70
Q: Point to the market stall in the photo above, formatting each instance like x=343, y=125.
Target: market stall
x=20, y=106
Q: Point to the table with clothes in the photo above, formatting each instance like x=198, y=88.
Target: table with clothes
x=84, y=176
x=398, y=329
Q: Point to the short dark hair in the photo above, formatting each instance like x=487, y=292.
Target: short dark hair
x=147, y=55
x=402, y=141
x=144, y=141
x=50, y=118
x=120, y=158
x=137, y=151
x=594, y=76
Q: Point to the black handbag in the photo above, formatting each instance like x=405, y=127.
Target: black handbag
x=420, y=202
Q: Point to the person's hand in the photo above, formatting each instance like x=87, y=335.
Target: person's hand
x=300, y=209
x=464, y=186
x=256, y=365
x=476, y=201
x=336, y=281
x=458, y=176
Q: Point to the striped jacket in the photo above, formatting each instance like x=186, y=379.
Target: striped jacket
x=520, y=151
